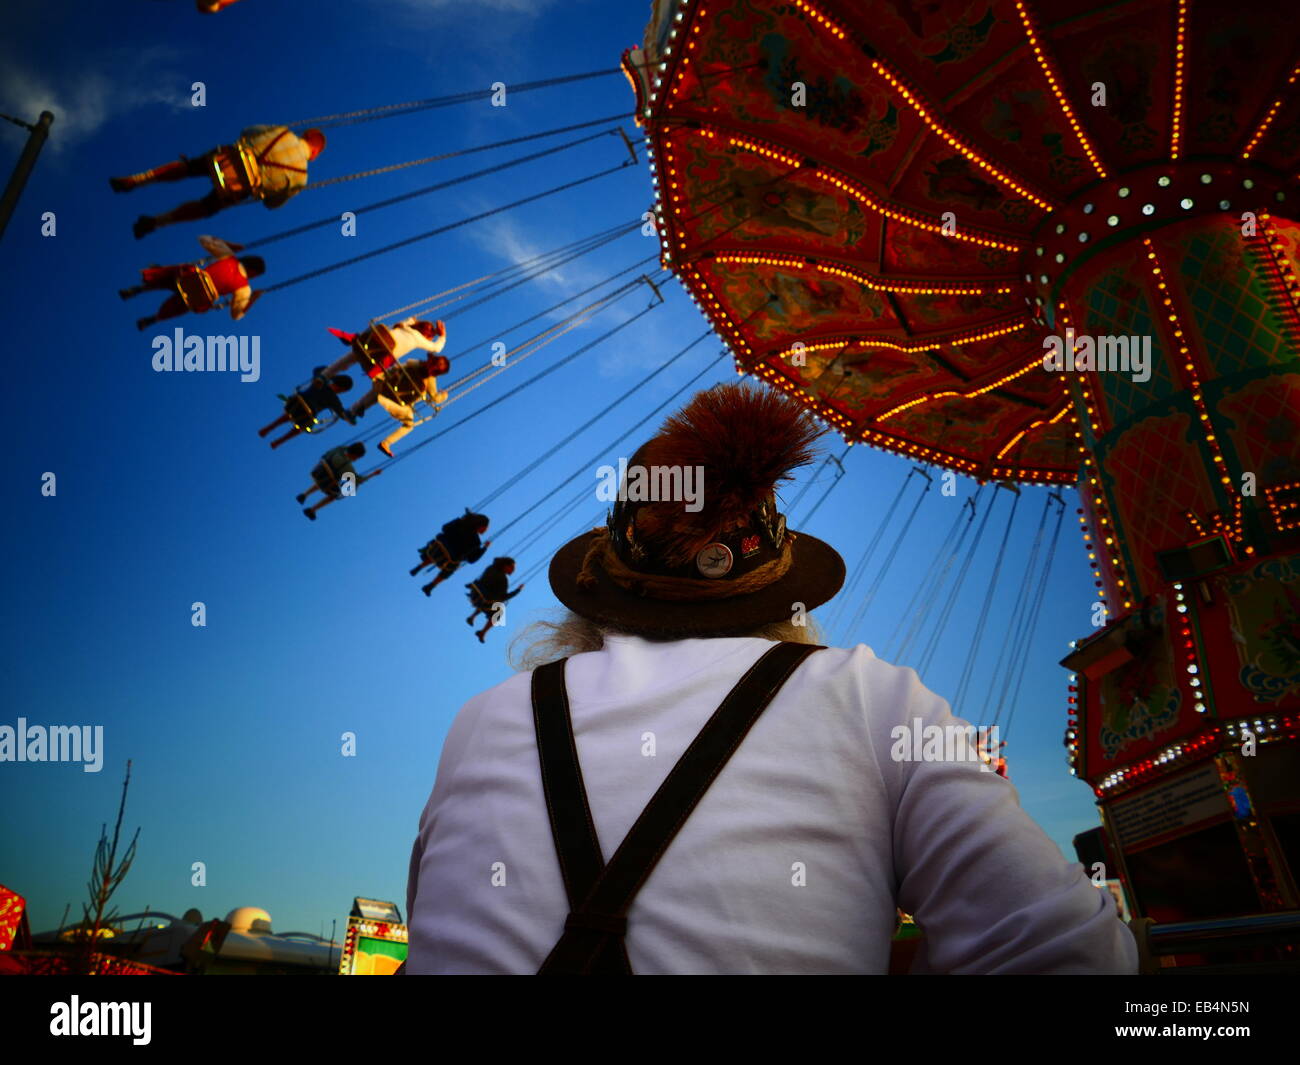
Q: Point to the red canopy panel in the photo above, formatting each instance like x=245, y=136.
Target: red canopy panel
x=880, y=181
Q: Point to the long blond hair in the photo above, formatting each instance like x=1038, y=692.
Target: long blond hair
x=571, y=634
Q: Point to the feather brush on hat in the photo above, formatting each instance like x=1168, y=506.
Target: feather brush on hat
x=747, y=439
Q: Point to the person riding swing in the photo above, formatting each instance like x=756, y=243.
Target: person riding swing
x=306, y=405
x=198, y=288
x=335, y=477
x=457, y=542
x=379, y=348
x=398, y=390
x=488, y=594
x=267, y=163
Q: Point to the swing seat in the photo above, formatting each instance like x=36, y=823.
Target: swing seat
x=304, y=419
x=436, y=553
x=374, y=350
x=235, y=173
x=196, y=289
x=325, y=480
x=400, y=384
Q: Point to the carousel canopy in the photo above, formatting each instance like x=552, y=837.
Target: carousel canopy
x=876, y=202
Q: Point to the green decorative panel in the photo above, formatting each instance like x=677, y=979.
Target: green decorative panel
x=1238, y=329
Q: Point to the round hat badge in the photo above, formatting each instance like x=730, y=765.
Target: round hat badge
x=714, y=560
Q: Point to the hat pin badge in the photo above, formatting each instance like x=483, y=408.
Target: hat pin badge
x=714, y=560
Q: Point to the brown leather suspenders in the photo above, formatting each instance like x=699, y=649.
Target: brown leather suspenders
x=601, y=893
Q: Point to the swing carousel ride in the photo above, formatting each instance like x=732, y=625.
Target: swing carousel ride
x=898, y=213
x=1027, y=244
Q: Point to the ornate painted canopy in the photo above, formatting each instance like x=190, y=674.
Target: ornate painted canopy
x=878, y=203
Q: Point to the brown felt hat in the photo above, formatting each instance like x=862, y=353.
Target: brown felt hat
x=711, y=560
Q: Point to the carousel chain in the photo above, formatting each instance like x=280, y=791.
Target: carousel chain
x=353, y=260
x=518, y=388
x=520, y=474
x=326, y=182
x=586, y=467
x=425, y=190
x=513, y=268
x=368, y=114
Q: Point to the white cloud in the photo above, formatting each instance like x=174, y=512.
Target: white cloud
x=637, y=349
x=504, y=237
x=85, y=100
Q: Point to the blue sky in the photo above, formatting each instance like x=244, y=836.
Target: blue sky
x=166, y=496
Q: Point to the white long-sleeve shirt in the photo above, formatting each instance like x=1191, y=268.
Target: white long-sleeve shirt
x=406, y=339
x=795, y=859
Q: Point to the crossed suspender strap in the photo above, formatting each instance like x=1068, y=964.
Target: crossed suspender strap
x=572, y=828
x=600, y=894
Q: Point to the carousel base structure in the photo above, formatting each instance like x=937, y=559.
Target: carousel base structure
x=1185, y=719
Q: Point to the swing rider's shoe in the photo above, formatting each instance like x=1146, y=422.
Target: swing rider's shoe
x=302, y=497
x=383, y=446
x=144, y=225
x=311, y=514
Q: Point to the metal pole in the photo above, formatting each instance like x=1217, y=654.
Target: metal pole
x=24, y=167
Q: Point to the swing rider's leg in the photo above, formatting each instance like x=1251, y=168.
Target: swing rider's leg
x=186, y=212
x=160, y=278
x=367, y=401
x=336, y=368
x=302, y=496
x=181, y=169
x=445, y=570
x=275, y=424
x=172, y=308
x=311, y=511
x=425, y=559
x=152, y=279
x=404, y=414
x=286, y=438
